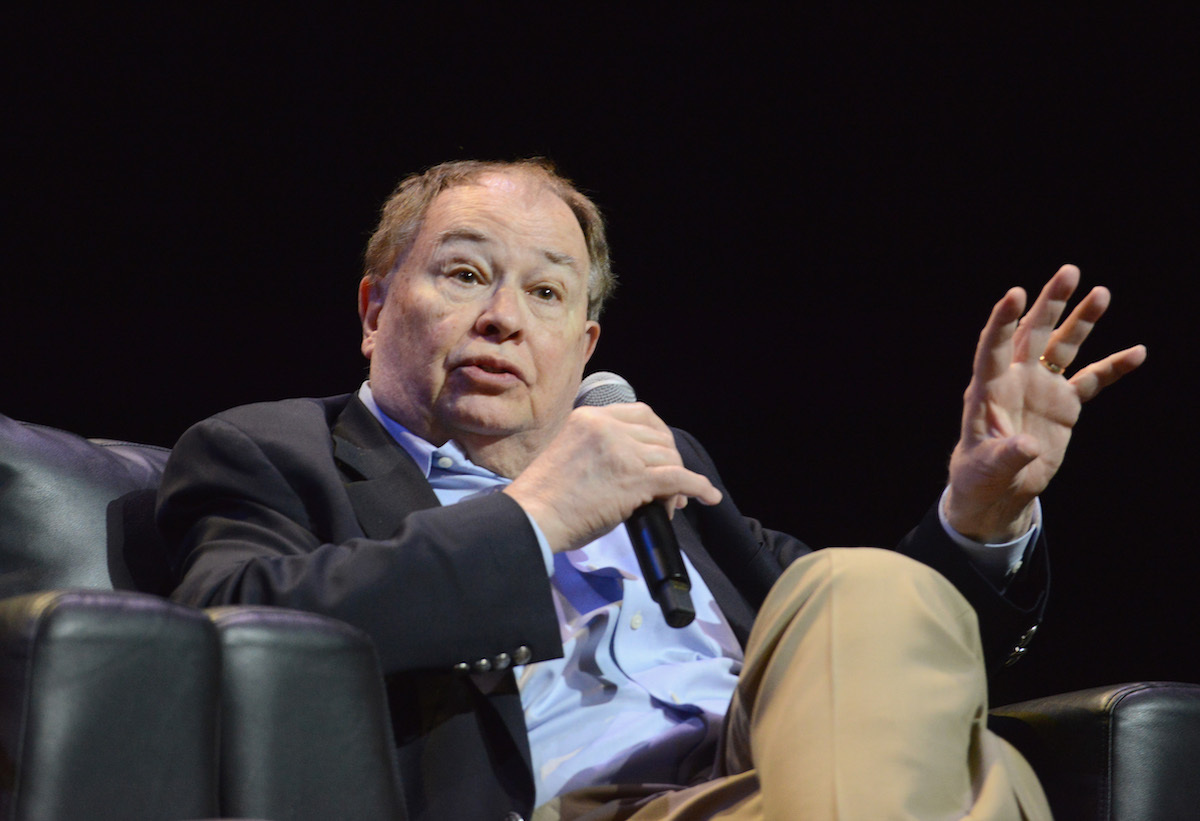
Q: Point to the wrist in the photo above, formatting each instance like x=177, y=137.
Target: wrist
x=546, y=522
x=987, y=523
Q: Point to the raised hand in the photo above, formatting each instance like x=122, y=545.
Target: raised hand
x=1021, y=406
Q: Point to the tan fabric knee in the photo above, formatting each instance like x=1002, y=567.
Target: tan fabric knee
x=864, y=696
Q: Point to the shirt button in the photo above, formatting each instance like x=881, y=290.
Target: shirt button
x=445, y=462
x=1012, y=572
x=636, y=621
x=522, y=655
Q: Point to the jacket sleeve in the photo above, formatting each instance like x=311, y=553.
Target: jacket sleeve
x=251, y=524
x=1007, y=618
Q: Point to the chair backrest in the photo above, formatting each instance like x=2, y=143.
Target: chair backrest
x=77, y=512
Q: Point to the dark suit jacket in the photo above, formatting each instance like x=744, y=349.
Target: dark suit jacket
x=309, y=504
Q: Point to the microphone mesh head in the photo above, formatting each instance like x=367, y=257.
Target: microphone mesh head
x=604, y=388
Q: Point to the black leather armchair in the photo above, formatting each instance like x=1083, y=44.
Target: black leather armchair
x=118, y=704
x=115, y=703
x=108, y=699
x=1127, y=752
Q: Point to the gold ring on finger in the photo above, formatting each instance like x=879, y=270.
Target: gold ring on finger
x=1053, y=367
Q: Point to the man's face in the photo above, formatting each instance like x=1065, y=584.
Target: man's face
x=482, y=333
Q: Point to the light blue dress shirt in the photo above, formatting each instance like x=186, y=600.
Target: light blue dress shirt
x=632, y=699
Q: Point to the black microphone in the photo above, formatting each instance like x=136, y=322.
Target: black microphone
x=649, y=528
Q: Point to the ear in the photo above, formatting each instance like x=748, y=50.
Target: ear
x=371, y=296
x=592, y=330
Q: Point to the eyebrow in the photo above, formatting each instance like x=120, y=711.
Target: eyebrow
x=471, y=235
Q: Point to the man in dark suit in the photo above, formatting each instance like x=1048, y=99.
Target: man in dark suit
x=458, y=510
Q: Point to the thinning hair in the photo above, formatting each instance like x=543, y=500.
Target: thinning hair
x=404, y=213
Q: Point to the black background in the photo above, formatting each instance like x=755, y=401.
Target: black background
x=811, y=213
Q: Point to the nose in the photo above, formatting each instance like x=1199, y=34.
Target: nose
x=502, y=316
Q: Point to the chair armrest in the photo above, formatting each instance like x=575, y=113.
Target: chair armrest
x=305, y=728
x=108, y=705
x=1126, y=752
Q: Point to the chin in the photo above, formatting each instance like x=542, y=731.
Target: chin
x=486, y=416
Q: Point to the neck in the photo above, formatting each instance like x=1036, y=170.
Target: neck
x=505, y=456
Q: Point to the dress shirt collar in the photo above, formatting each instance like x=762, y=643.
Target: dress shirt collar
x=448, y=458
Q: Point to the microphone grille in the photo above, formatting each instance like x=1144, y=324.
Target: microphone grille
x=604, y=388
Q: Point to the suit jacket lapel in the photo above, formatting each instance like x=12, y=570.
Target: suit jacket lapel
x=733, y=605
x=385, y=485
x=382, y=481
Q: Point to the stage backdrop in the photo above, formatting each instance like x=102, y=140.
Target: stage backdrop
x=811, y=215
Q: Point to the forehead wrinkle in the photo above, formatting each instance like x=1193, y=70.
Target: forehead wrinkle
x=558, y=257
x=451, y=235
x=471, y=235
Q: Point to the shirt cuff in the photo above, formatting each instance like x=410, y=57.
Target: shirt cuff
x=1001, y=561
x=547, y=554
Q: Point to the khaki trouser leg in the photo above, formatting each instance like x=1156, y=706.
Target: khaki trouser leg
x=863, y=698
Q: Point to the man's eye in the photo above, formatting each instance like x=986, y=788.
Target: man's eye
x=466, y=275
x=545, y=293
